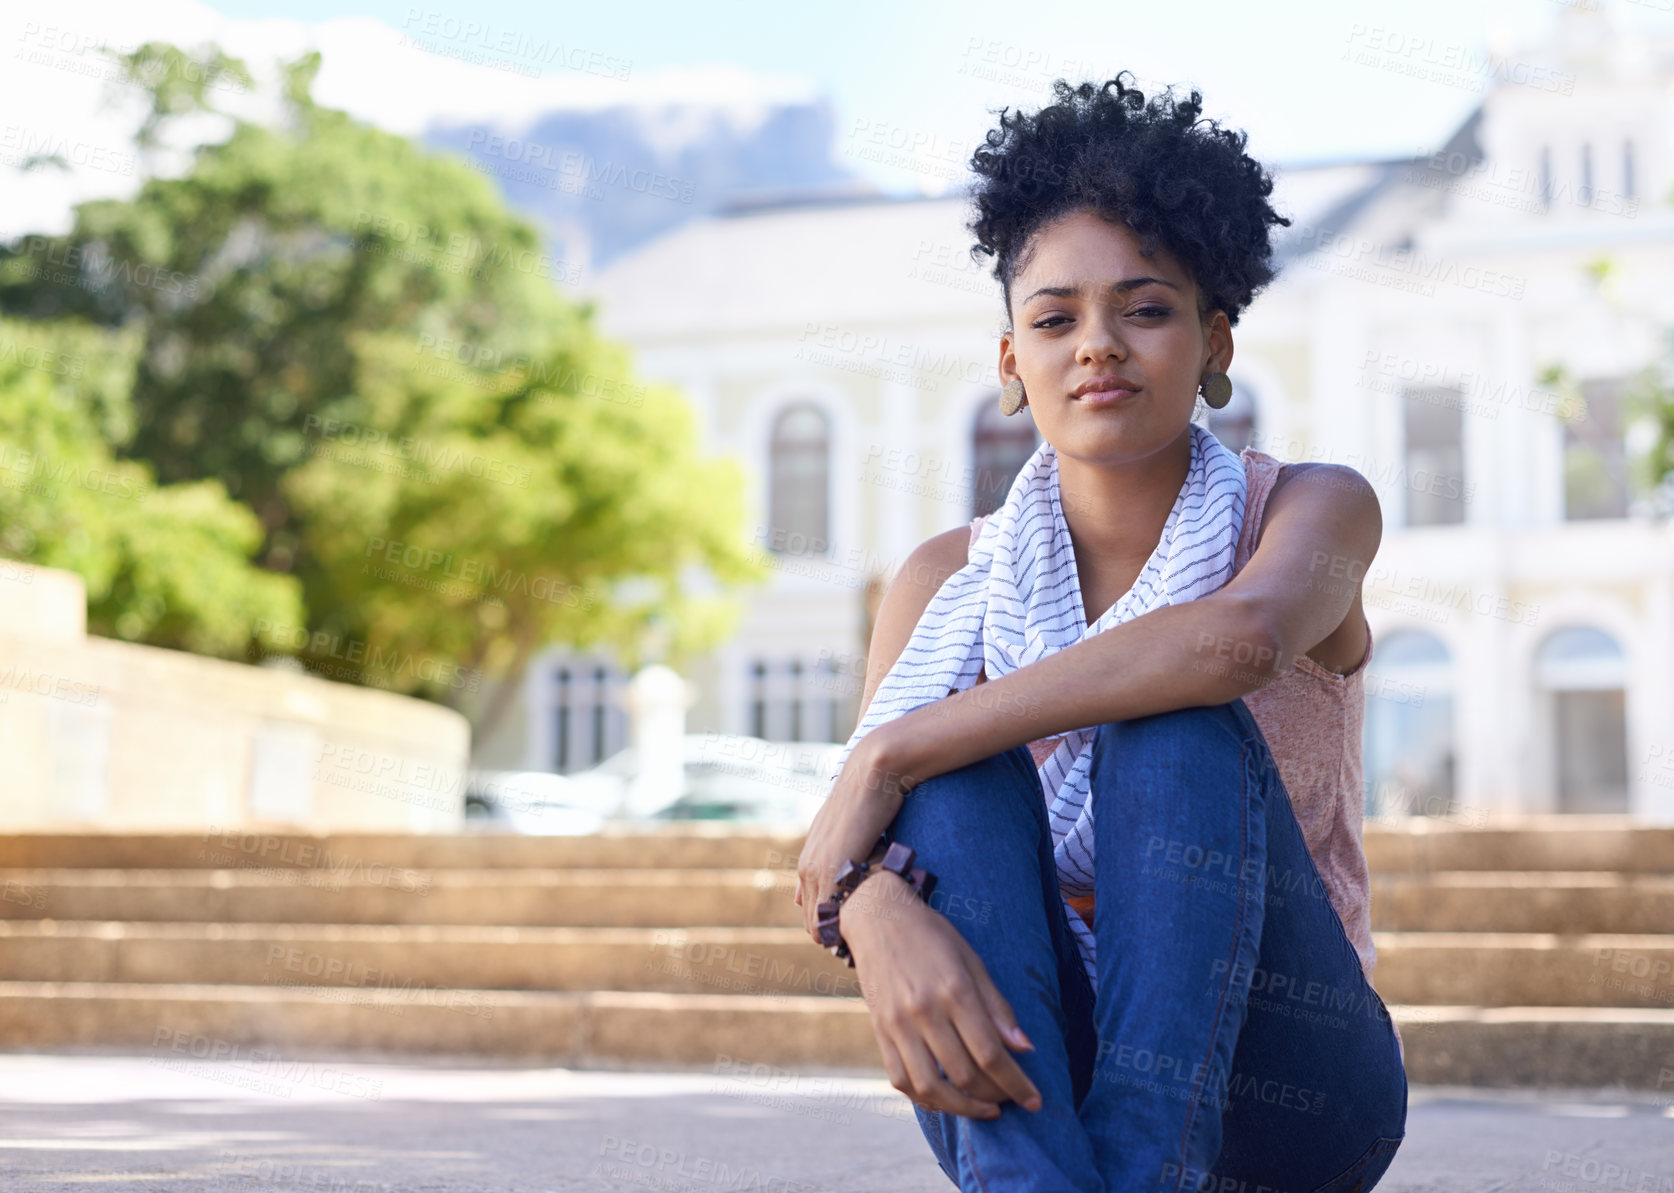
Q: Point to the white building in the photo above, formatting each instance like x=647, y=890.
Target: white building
x=1522, y=603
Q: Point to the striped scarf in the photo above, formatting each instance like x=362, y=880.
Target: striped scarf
x=1018, y=599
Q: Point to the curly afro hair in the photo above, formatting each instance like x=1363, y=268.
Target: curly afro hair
x=1172, y=177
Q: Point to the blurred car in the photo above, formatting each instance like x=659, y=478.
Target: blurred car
x=749, y=780
x=725, y=777
x=533, y=802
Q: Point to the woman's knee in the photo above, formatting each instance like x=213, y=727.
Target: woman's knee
x=997, y=784
x=1183, y=731
x=993, y=800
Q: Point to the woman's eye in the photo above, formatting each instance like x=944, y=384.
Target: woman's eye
x=1145, y=312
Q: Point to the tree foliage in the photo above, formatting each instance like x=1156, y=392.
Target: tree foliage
x=1650, y=399
x=356, y=338
x=165, y=565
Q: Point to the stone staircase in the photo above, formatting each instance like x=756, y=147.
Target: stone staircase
x=1537, y=952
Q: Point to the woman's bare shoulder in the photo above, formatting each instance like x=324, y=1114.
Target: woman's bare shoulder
x=1319, y=516
x=948, y=551
x=925, y=570
x=918, y=579
x=1322, y=472
x=1332, y=493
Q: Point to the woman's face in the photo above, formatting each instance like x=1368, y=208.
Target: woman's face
x=1088, y=305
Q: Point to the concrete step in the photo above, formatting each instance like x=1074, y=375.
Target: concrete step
x=758, y=961
x=1609, y=843
x=1538, y=1047
x=1539, y=951
x=372, y=856
x=181, y=1023
x=272, y=1030
x=1489, y=969
x=1448, y=901
x=627, y=898
x=1523, y=901
x=1600, y=843
x=1481, y=969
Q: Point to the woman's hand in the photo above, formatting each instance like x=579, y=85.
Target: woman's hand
x=862, y=803
x=933, y=1003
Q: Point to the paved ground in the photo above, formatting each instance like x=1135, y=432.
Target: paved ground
x=168, y=1122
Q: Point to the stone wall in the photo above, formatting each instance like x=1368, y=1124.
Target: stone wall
x=105, y=734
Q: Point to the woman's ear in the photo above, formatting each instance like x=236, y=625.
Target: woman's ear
x=1218, y=332
x=1008, y=359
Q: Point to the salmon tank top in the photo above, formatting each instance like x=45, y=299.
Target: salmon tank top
x=1312, y=719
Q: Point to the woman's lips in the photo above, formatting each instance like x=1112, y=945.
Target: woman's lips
x=1105, y=397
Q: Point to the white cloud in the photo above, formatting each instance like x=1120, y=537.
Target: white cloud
x=53, y=88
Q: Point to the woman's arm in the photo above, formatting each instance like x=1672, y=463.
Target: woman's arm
x=934, y=1010
x=1320, y=531
x=945, y=1033
x=861, y=802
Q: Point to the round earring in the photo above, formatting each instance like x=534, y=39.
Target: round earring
x=1216, y=389
x=1012, y=398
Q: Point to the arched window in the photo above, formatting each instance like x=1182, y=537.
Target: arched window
x=1408, y=749
x=1629, y=183
x=799, y=490
x=1585, y=197
x=1581, y=673
x=1235, y=423
x=1000, y=446
x=1545, y=177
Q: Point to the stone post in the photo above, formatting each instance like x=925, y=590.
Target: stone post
x=657, y=700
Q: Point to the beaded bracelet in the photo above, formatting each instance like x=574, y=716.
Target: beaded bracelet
x=886, y=855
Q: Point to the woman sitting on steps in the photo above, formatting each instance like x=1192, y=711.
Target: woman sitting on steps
x=1119, y=720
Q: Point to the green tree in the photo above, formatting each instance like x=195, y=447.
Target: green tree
x=502, y=511
x=247, y=276
x=357, y=338
x=1650, y=400
x=1646, y=415
x=165, y=565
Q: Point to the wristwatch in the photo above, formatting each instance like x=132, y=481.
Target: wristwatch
x=889, y=855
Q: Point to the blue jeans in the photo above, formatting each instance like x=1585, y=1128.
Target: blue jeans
x=1235, y=1045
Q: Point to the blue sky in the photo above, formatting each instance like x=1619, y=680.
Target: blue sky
x=1309, y=81
x=1276, y=70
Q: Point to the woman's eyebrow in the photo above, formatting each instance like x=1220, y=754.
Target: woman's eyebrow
x=1116, y=287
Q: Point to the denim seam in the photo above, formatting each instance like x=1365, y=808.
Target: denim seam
x=1041, y=824
x=969, y=1152
x=1239, y=735
x=963, y=1147
x=1192, y=1113
x=1271, y=765
x=1381, y=1145
x=1276, y=789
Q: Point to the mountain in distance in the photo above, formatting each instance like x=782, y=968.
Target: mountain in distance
x=599, y=182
